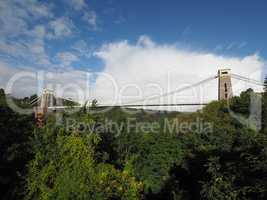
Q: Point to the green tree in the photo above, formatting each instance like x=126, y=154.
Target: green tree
x=15, y=131
x=264, y=107
x=64, y=167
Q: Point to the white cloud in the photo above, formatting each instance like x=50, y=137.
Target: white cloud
x=25, y=82
x=145, y=41
x=66, y=58
x=39, y=31
x=18, y=40
x=81, y=47
x=60, y=27
x=77, y=4
x=152, y=67
x=36, y=9
x=15, y=15
x=32, y=50
x=90, y=18
x=5, y=72
x=143, y=70
x=27, y=25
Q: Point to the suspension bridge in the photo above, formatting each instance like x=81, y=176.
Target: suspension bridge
x=46, y=101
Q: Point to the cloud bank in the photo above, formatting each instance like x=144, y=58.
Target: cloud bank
x=145, y=69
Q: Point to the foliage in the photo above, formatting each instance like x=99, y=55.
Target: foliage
x=228, y=161
x=64, y=167
x=15, y=131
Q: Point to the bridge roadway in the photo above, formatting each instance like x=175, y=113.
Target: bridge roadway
x=132, y=105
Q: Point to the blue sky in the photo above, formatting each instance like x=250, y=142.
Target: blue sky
x=84, y=35
x=221, y=26
x=224, y=27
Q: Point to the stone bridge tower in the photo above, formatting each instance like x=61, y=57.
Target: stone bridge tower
x=224, y=85
x=46, y=100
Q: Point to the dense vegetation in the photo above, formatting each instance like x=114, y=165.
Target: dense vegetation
x=86, y=160
x=15, y=151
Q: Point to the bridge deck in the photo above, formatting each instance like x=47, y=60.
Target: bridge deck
x=134, y=105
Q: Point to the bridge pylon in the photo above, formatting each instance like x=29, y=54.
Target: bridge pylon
x=225, y=91
x=46, y=100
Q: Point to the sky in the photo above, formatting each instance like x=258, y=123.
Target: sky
x=129, y=49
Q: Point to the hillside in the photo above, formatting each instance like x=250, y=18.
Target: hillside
x=139, y=155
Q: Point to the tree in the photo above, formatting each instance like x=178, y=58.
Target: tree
x=152, y=159
x=264, y=107
x=94, y=103
x=64, y=167
x=227, y=161
x=2, y=92
x=15, y=131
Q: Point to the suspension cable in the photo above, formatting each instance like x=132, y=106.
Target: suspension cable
x=35, y=100
x=242, y=78
x=179, y=90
